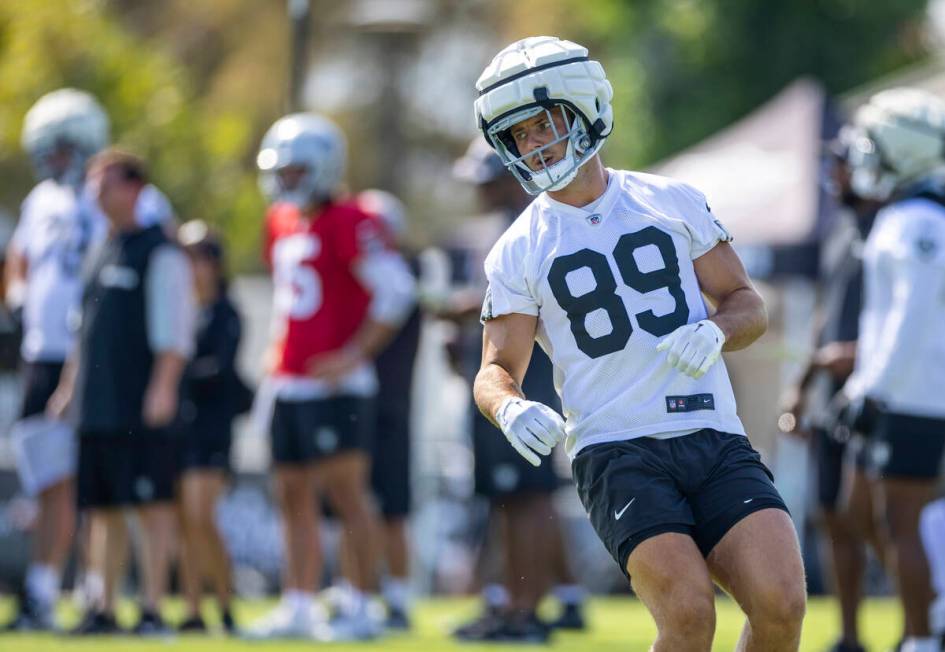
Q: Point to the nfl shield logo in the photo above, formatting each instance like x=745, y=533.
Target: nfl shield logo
x=672, y=404
x=594, y=219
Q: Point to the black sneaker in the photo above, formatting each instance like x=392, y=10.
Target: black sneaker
x=151, y=624
x=397, y=619
x=229, y=625
x=524, y=628
x=486, y=627
x=33, y=616
x=193, y=625
x=96, y=623
x=572, y=617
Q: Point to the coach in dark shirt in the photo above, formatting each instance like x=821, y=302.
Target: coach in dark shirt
x=135, y=338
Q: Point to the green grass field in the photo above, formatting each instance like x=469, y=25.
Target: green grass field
x=616, y=624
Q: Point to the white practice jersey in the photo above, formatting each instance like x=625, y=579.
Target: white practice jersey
x=900, y=355
x=55, y=231
x=608, y=284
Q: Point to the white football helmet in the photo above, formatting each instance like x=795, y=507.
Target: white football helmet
x=65, y=118
x=544, y=73
x=308, y=141
x=896, y=141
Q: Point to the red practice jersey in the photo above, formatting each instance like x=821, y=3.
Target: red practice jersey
x=318, y=302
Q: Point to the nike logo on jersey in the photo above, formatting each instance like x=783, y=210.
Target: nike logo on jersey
x=617, y=514
x=747, y=501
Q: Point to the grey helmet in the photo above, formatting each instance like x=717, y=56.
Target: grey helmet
x=64, y=118
x=306, y=140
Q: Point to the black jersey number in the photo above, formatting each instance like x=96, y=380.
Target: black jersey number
x=604, y=295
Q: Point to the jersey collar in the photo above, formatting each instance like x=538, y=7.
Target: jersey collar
x=602, y=206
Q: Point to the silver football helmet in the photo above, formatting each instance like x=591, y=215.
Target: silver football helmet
x=387, y=207
x=65, y=119
x=307, y=141
x=545, y=74
x=896, y=140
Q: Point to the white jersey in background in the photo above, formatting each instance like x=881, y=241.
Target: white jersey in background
x=608, y=284
x=56, y=229
x=900, y=356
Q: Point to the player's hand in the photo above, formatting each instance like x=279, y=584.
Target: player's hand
x=160, y=404
x=530, y=427
x=332, y=367
x=58, y=404
x=693, y=348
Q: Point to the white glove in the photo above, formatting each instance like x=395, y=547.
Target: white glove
x=693, y=348
x=530, y=427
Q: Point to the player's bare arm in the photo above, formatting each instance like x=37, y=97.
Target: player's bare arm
x=740, y=311
x=14, y=277
x=506, y=350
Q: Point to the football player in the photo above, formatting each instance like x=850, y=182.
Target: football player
x=897, y=159
x=607, y=270
x=340, y=293
x=842, y=462
x=58, y=224
x=519, y=494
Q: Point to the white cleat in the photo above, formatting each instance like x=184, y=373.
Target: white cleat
x=286, y=622
x=349, y=628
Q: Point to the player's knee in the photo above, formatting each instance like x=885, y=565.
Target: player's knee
x=781, y=607
x=692, y=618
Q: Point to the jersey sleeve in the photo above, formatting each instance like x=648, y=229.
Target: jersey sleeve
x=704, y=228
x=357, y=236
x=508, y=288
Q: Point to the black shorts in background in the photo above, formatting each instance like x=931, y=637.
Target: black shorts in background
x=905, y=446
x=700, y=484
x=206, y=441
x=499, y=471
x=40, y=380
x=126, y=469
x=310, y=430
x=390, y=465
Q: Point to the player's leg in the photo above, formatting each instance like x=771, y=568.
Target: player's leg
x=344, y=477
x=189, y=572
x=932, y=531
x=758, y=562
x=846, y=548
x=156, y=462
x=669, y=574
x=908, y=452
x=904, y=500
x=295, y=494
x=631, y=491
x=390, y=481
x=743, y=529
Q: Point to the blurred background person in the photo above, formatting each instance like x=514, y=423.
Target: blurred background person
x=57, y=227
x=847, y=520
x=136, y=335
x=896, y=158
x=519, y=494
x=340, y=295
x=213, y=394
x=390, y=468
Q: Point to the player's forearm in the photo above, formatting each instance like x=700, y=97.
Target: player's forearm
x=168, y=368
x=492, y=386
x=372, y=337
x=743, y=318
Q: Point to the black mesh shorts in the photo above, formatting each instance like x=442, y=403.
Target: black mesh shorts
x=40, y=380
x=700, y=484
x=310, y=430
x=390, y=466
x=905, y=446
x=126, y=469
